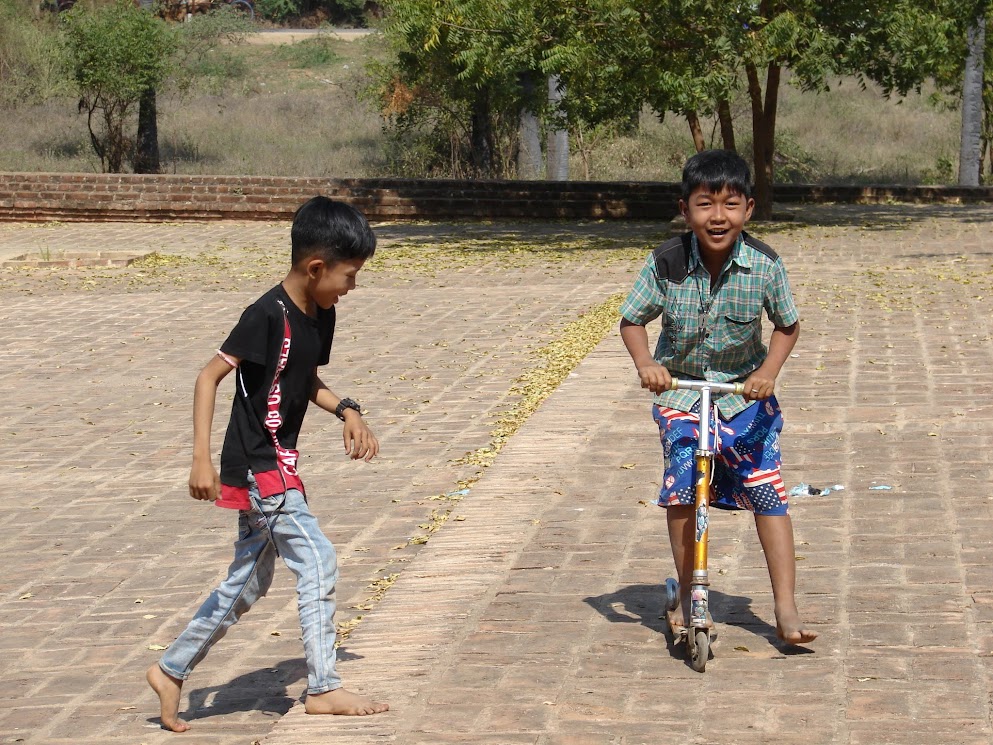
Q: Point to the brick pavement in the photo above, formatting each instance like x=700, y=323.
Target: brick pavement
x=535, y=618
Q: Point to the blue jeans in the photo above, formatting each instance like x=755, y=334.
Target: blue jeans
x=309, y=555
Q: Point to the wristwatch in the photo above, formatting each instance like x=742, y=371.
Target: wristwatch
x=346, y=403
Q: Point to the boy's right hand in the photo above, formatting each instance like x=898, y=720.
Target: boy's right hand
x=205, y=482
x=654, y=377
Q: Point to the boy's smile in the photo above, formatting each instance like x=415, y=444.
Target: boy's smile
x=716, y=219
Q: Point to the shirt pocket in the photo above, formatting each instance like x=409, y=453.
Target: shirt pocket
x=742, y=326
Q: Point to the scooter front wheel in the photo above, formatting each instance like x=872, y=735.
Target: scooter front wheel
x=700, y=651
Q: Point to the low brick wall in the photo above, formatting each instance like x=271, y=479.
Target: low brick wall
x=79, y=196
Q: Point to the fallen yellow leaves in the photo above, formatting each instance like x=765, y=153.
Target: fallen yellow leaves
x=556, y=360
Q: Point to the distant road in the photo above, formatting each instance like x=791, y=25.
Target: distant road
x=291, y=35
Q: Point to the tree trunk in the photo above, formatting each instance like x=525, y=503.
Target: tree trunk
x=558, y=139
x=972, y=105
x=763, y=135
x=631, y=124
x=529, y=160
x=146, y=157
x=482, y=139
x=727, y=125
x=984, y=146
x=694, y=121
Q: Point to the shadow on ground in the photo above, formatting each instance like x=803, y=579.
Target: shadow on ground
x=265, y=690
x=644, y=604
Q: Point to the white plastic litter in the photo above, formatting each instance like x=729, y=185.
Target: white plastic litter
x=806, y=490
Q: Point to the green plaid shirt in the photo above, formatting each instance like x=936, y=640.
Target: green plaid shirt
x=710, y=335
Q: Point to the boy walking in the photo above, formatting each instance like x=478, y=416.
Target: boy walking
x=275, y=351
x=710, y=287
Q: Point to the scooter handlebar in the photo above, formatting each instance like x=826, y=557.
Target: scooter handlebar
x=699, y=385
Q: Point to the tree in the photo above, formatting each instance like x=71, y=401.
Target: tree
x=692, y=69
x=117, y=53
x=966, y=80
x=456, y=75
x=895, y=43
x=685, y=56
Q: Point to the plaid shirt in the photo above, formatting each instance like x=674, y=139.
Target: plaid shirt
x=710, y=335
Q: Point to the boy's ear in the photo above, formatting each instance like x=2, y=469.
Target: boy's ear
x=749, y=208
x=683, y=207
x=314, y=266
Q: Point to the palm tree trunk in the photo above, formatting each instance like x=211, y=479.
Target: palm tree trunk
x=970, y=151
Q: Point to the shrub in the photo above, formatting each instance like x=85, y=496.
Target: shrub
x=308, y=53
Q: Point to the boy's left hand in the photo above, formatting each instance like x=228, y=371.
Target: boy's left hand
x=759, y=386
x=360, y=442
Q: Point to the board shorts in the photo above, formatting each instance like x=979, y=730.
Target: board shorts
x=746, y=473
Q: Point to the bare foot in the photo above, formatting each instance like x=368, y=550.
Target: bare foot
x=791, y=631
x=168, y=689
x=346, y=703
x=681, y=611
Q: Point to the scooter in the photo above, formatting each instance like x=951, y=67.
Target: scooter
x=700, y=632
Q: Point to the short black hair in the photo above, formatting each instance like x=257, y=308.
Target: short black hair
x=717, y=170
x=331, y=231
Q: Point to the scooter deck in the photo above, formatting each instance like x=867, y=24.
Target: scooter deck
x=674, y=620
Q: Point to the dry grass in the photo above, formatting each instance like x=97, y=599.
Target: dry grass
x=277, y=118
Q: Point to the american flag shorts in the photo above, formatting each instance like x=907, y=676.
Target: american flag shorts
x=746, y=473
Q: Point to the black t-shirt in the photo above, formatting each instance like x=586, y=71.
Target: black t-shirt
x=279, y=347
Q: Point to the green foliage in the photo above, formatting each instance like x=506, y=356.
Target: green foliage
x=793, y=163
x=277, y=11
x=31, y=65
x=455, y=59
x=942, y=173
x=455, y=76
x=116, y=53
x=308, y=53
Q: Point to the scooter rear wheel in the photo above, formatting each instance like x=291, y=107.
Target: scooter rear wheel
x=671, y=594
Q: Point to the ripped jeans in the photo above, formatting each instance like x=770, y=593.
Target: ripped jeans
x=309, y=555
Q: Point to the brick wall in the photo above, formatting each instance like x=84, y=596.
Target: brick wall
x=79, y=196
